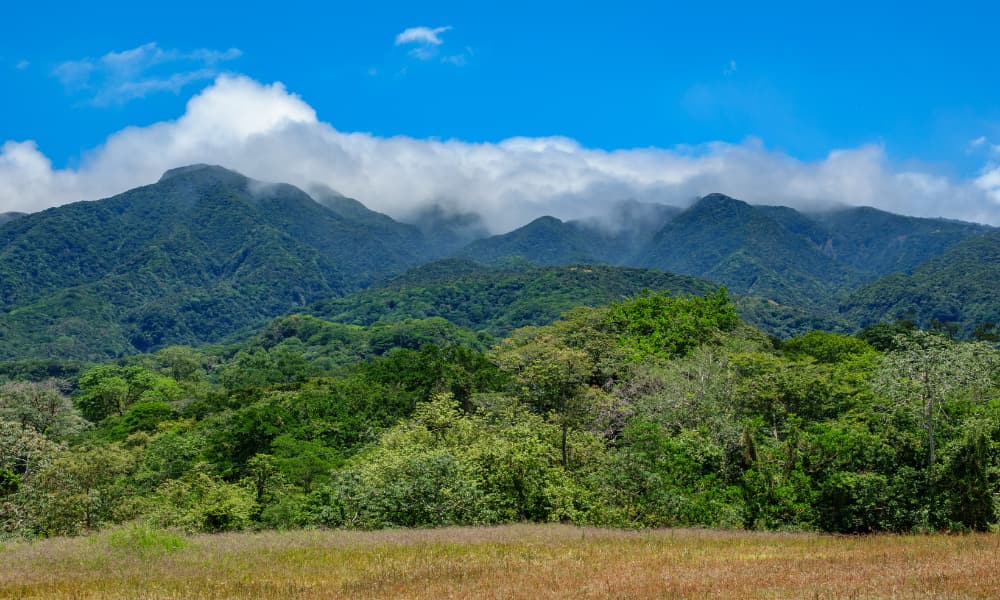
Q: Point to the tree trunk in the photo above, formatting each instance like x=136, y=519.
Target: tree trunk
x=565, y=427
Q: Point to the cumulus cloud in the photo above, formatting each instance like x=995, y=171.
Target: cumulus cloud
x=268, y=133
x=118, y=77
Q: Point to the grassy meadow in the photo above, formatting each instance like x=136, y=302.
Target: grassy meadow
x=522, y=561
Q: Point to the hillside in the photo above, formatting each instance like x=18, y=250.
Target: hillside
x=880, y=243
x=612, y=239
x=654, y=411
x=960, y=287
x=546, y=241
x=206, y=252
x=10, y=216
x=198, y=255
x=795, y=259
x=730, y=242
x=497, y=299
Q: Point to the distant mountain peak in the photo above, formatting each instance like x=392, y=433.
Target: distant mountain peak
x=716, y=198
x=201, y=169
x=547, y=221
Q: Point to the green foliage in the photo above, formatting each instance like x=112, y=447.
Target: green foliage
x=109, y=390
x=656, y=411
x=201, y=502
x=827, y=347
x=444, y=467
x=960, y=287
x=665, y=326
x=141, y=416
x=42, y=407
x=498, y=299
x=969, y=476
x=79, y=491
x=661, y=479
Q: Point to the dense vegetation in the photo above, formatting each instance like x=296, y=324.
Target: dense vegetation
x=207, y=255
x=772, y=252
x=200, y=255
x=656, y=411
x=498, y=299
x=960, y=289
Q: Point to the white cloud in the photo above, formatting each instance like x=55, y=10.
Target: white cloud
x=22, y=65
x=730, y=68
x=425, y=44
x=422, y=35
x=118, y=77
x=270, y=134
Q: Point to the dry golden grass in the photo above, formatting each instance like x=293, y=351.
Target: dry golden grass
x=524, y=561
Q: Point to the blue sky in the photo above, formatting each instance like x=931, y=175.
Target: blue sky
x=791, y=81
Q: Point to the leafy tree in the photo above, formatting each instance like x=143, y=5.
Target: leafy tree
x=827, y=347
x=927, y=370
x=23, y=451
x=42, y=406
x=969, y=477
x=283, y=364
x=551, y=377
x=201, y=502
x=171, y=453
x=109, y=390
x=666, y=326
x=80, y=490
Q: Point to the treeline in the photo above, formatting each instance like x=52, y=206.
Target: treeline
x=657, y=411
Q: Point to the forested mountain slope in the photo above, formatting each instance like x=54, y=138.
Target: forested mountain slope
x=611, y=240
x=9, y=216
x=729, y=241
x=961, y=287
x=498, y=299
x=199, y=254
x=206, y=252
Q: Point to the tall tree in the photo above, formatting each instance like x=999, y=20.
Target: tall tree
x=928, y=369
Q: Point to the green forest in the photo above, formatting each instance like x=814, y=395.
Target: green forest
x=658, y=410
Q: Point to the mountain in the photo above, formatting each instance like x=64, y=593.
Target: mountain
x=545, y=241
x=10, y=216
x=611, y=239
x=497, y=299
x=730, y=242
x=405, y=237
x=877, y=242
x=196, y=256
x=445, y=231
x=960, y=287
x=788, y=258
x=205, y=253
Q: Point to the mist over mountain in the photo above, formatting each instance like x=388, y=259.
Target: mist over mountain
x=205, y=252
x=10, y=216
x=774, y=252
x=270, y=133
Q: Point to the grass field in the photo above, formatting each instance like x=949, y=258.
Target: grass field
x=524, y=561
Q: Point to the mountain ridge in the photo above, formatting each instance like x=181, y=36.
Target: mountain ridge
x=206, y=251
